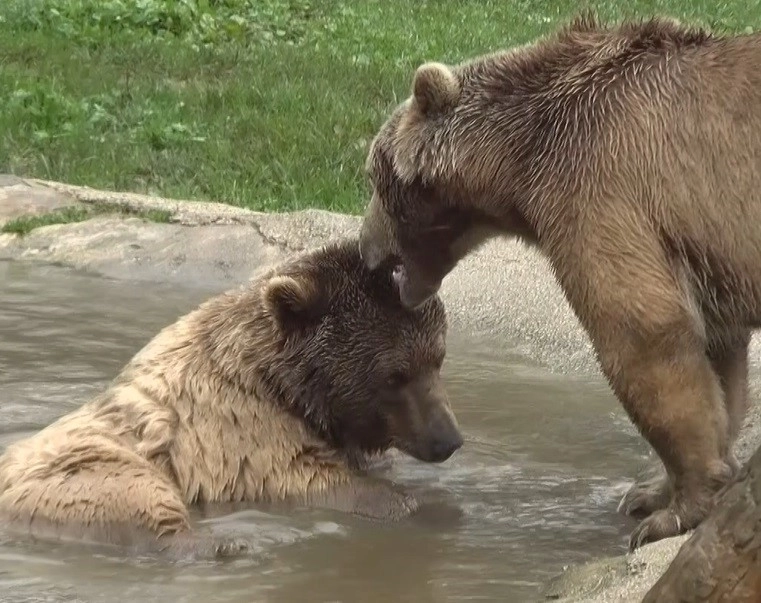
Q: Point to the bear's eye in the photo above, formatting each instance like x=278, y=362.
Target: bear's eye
x=397, y=379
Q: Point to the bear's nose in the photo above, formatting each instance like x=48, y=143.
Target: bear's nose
x=443, y=448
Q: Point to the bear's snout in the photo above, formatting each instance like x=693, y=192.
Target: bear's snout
x=374, y=239
x=442, y=437
x=414, y=293
x=370, y=253
x=426, y=428
x=445, y=445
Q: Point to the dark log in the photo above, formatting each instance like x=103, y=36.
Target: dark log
x=721, y=561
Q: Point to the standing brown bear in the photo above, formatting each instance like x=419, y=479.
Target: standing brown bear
x=278, y=391
x=630, y=155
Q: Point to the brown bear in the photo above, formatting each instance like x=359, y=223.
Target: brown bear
x=630, y=156
x=278, y=391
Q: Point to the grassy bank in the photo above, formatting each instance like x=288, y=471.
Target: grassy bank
x=268, y=104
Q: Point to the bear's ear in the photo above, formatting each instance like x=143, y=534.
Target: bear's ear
x=294, y=302
x=435, y=88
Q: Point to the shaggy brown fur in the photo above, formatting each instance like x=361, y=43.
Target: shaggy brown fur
x=630, y=155
x=276, y=391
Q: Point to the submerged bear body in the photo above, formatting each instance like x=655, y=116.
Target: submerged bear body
x=277, y=391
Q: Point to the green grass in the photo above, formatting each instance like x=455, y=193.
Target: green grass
x=26, y=224
x=268, y=104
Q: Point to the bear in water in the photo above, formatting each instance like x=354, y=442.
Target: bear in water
x=281, y=390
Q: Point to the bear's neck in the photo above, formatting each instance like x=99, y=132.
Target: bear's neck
x=248, y=351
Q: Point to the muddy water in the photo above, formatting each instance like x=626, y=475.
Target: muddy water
x=536, y=483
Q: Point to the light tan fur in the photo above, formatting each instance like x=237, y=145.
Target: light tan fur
x=204, y=414
x=630, y=155
x=435, y=88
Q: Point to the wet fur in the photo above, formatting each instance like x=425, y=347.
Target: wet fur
x=261, y=394
x=630, y=155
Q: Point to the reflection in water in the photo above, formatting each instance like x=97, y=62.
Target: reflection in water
x=534, y=488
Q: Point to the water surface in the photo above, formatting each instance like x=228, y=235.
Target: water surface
x=537, y=481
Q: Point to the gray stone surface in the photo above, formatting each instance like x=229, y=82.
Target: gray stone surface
x=620, y=579
x=504, y=291
x=19, y=197
x=131, y=248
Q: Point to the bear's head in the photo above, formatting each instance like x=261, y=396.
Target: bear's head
x=432, y=172
x=358, y=366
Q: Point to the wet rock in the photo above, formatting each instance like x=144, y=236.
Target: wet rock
x=722, y=560
x=621, y=579
x=213, y=257
x=19, y=197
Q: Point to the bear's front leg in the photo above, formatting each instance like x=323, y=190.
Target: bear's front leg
x=363, y=496
x=665, y=381
x=203, y=545
x=644, y=320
